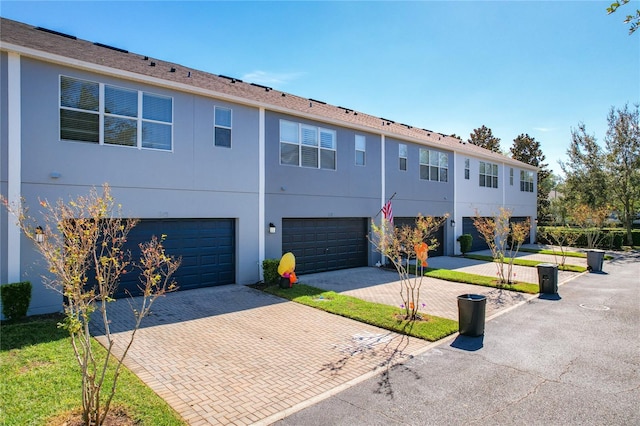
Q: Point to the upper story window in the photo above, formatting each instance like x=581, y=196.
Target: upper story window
x=307, y=146
x=434, y=165
x=361, y=150
x=402, y=156
x=222, y=127
x=526, y=181
x=466, y=169
x=511, y=176
x=105, y=114
x=488, y=175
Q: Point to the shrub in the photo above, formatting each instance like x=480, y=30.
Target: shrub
x=465, y=242
x=15, y=299
x=270, y=271
x=612, y=238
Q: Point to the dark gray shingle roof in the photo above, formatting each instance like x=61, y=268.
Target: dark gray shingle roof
x=46, y=43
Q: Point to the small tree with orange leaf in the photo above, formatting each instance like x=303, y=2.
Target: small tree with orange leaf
x=407, y=248
x=83, y=244
x=504, y=240
x=591, y=220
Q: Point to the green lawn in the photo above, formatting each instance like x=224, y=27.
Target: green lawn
x=557, y=253
x=526, y=262
x=466, y=278
x=432, y=328
x=41, y=379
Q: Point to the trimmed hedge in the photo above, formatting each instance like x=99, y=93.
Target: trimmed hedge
x=613, y=239
x=466, y=241
x=15, y=299
x=270, y=271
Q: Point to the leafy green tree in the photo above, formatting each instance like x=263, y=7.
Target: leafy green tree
x=558, y=208
x=633, y=20
x=585, y=177
x=622, y=164
x=483, y=136
x=527, y=149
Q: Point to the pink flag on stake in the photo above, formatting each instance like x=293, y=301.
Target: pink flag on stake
x=387, y=212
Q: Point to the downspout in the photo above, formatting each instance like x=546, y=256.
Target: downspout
x=455, y=203
x=14, y=164
x=383, y=180
x=261, y=192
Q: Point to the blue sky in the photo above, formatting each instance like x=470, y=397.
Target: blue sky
x=514, y=66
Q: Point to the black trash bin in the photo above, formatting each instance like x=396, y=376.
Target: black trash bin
x=595, y=259
x=471, y=313
x=548, y=278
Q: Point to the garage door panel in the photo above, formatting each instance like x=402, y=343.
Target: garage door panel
x=325, y=242
x=207, y=248
x=477, y=242
x=521, y=219
x=438, y=234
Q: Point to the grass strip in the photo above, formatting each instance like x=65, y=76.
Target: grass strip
x=432, y=328
x=526, y=262
x=41, y=379
x=557, y=253
x=482, y=280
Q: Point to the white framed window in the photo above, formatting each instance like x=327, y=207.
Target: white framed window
x=222, y=127
x=361, y=150
x=434, y=165
x=511, y=176
x=304, y=145
x=526, y=181
x=402, y=156
x=467, y=170
x=488, y=175
x=110, y=115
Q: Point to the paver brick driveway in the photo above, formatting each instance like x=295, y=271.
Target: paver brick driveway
x=235, y=355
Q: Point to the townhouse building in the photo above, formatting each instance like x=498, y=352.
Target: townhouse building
x=232, y=172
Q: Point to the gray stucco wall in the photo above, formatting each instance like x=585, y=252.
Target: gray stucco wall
x=414, y=195
x=301, y=192
x=196, y=180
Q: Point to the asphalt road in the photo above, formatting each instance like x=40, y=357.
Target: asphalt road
x=571, y=359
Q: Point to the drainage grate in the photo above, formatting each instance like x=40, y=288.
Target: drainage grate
x=594, y=307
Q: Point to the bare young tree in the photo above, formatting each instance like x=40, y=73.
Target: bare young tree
x=591, y=221
x=504, y=239
x=82, y=243
x=407, y=248
x=561, y=238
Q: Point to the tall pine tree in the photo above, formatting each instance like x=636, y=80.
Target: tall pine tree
x=482, y=136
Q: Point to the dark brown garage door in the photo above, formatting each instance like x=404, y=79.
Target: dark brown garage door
x=325, y=244
x=438, y=235
x=478, y=243
x=207, y=247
